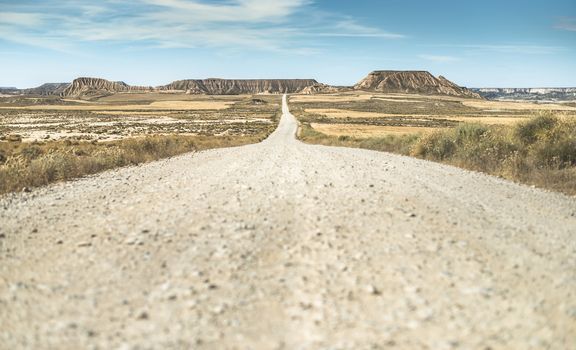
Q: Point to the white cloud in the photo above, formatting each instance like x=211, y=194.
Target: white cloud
x=351, y=28
x=440, y=58
x=566, y=23
x=238, y=10
x=278, y=25
x=21, y=19
x=517, y=49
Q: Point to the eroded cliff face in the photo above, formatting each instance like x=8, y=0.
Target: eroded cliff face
x=244, y=86
x=320, y=88
x=46, y=89
x=96, y=86
x=528, y=94
x=420, y=82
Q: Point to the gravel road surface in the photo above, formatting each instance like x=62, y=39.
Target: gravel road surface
x=282, y=245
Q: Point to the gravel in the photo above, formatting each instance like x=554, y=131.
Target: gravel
x=282, y=245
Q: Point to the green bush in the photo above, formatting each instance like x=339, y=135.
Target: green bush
x=541, y=151
x=530, y=131
x=437, y=145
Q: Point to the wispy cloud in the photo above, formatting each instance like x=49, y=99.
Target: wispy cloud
x=509, y=48
x=351, y=28
x=566, y=23
x=278, y=25
x=439, y=58
x=21, y=19
x=514, y=48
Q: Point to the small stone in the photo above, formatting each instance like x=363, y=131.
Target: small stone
x=26, y=189
x=143, y=316
x=2, y=235
x=84, y=244
x=218, y=309
x=59, y=241
x=372, y=290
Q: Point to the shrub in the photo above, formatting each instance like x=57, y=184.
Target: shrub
x=541, y=151
x=437, y=145
x=25, y=165
x=528, y=132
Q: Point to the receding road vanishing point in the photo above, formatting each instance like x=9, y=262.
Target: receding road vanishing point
x=283, y=245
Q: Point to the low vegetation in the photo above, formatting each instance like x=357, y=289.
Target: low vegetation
x=44, y=144
x=25, y=165
x=540, y=151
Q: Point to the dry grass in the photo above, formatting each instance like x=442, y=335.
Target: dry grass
x=366, y=131
x=156, y=106
x=539, y=152
x=501, y=105
x=25, y=165
x=349, y=114
x=40, y=145
x=129, y=98
x=339, y=97
x=525, y=142
x=353, y=96
x=243, y=117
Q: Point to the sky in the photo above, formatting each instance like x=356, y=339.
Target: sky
x=503, y=43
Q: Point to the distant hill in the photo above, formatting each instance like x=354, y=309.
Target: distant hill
x=46, y=89
x=92, y=87
x=96, y=87
x=8, y=90
x=528, y=94
x=419, y=82
x=240, y=86
x=387, y=81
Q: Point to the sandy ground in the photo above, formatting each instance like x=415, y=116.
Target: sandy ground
x=282, y=245
x=156, y=106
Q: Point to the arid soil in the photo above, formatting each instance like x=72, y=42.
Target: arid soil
x=282, y=245
x=378, y=114
x=123, y=116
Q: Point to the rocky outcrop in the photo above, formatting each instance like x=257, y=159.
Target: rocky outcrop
x=8, y=90
x=97, y=87
x=46, y=89
x=320, y=88
x=528, y=94
x=420, y=82
x=240, y=86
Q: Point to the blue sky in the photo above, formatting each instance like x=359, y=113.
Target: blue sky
x=151, y=42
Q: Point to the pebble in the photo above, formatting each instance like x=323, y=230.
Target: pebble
x=370, y=289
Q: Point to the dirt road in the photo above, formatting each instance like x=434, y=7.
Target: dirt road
x=282, y=245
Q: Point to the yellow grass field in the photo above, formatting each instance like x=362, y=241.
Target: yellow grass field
x=366, y=131
x=158, y=105
x=342, y=113
x=354, y=96
x=514, y=106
